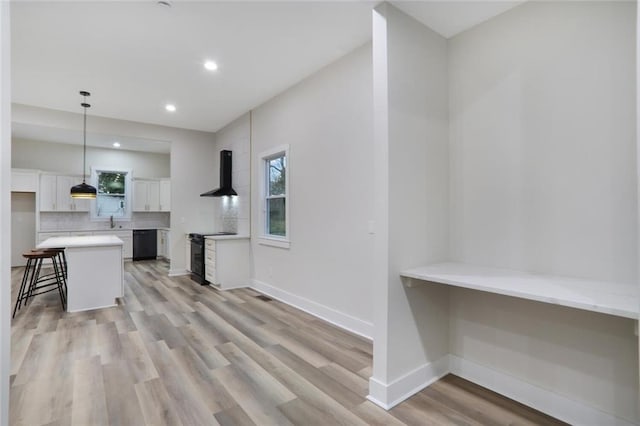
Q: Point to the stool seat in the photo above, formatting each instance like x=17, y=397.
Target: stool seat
x=38, y=254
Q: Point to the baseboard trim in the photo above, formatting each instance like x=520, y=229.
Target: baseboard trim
x=178, y=272
x=340, y=319
x=541, y=399
x=91, y=309
x=389, y=395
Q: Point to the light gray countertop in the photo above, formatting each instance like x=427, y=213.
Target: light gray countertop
x=227, y=237
x=160, y=228
x=84, y=241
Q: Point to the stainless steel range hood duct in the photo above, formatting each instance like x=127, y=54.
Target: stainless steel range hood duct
x=225, y=177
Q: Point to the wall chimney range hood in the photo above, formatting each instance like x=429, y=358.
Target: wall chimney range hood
x=225, y=177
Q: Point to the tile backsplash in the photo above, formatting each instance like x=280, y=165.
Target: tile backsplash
x=81, y=221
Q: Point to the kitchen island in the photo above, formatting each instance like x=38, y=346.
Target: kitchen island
x=95, y=270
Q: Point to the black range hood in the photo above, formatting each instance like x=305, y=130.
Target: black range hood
x=225, y=177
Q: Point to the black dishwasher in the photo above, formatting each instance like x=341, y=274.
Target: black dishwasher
x=145, y=244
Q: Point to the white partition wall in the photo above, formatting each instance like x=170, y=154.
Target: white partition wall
x=5, y=210
x=638, y=158
x=411, y=158
x=538, y=172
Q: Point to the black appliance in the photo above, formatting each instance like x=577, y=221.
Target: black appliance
x=145, y=244
x=197, y=255
x=225, y=177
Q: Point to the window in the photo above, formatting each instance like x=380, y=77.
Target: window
x=275, y=184
x=113, y=198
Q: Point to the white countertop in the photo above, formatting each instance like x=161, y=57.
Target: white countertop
x=611, y=298
x=226, y=237
x=160, y=228
x=81, y=241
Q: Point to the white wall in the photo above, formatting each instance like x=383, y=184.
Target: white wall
x=410, y=85
x=327, y=121
x=544, y=179
x=5, y=209
x=233, y=214
x=543, y=141
x=537, y=171
x=23, y=225
x=638, y=149
x=193, y=156
x=67, y=158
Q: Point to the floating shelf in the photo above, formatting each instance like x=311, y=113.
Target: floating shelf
x=611, y=298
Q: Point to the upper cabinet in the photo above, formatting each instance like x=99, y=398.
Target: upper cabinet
x=24, y=180
x=55, y=194
x=151, y=195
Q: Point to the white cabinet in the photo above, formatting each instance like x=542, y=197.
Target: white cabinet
x=24, y=180
x=227, y=262
x=210, y=272
x=188, y=255
x=127, y=239
x=64, y=200
x=55, y=194
x=165, y=195
x=146, y=195
x=125, y=236
x=48, y=193
x=163, y=243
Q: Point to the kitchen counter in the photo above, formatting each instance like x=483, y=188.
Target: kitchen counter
x=116, y=229
x=226, y=237
x=83, y=241
x=95, y=270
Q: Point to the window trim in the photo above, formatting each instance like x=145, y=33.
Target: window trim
x=264, y=238
x=128, y=193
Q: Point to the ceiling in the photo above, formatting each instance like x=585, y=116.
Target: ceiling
x=75, y=137
x=136, y=56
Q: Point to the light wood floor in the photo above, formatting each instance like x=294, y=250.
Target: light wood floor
x=178, y=353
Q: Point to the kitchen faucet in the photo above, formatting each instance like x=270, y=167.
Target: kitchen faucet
x=113, y=225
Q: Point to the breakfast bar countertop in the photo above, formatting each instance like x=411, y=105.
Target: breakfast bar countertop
x=95, y=270
x=81, y=241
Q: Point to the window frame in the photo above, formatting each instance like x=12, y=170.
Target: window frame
x=264, y=157
x=128, y=193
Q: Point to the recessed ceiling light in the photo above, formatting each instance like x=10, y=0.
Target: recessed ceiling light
x=116, y=144
x=170, y=107
x=210, y=65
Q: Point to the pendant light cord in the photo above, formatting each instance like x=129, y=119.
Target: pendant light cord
x=84, y=151
x=85, y=105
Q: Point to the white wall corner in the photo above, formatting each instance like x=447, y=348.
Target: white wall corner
x=340, y=319
x=388, y=395
x=541, y=399
x=5, y=209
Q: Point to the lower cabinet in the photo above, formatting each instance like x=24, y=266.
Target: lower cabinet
x=210, y=272
x=227, y=262
x=125, y=236
x=163, y=244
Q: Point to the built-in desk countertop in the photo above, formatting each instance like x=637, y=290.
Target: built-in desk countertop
x=611, y=298
x=95, y=270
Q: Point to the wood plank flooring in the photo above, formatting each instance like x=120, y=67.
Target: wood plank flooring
x=177, y=353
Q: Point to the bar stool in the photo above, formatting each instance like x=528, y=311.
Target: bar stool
x=33, y=283
x=61, y=258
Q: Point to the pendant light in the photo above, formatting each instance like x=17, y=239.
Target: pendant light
x=83, y=190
